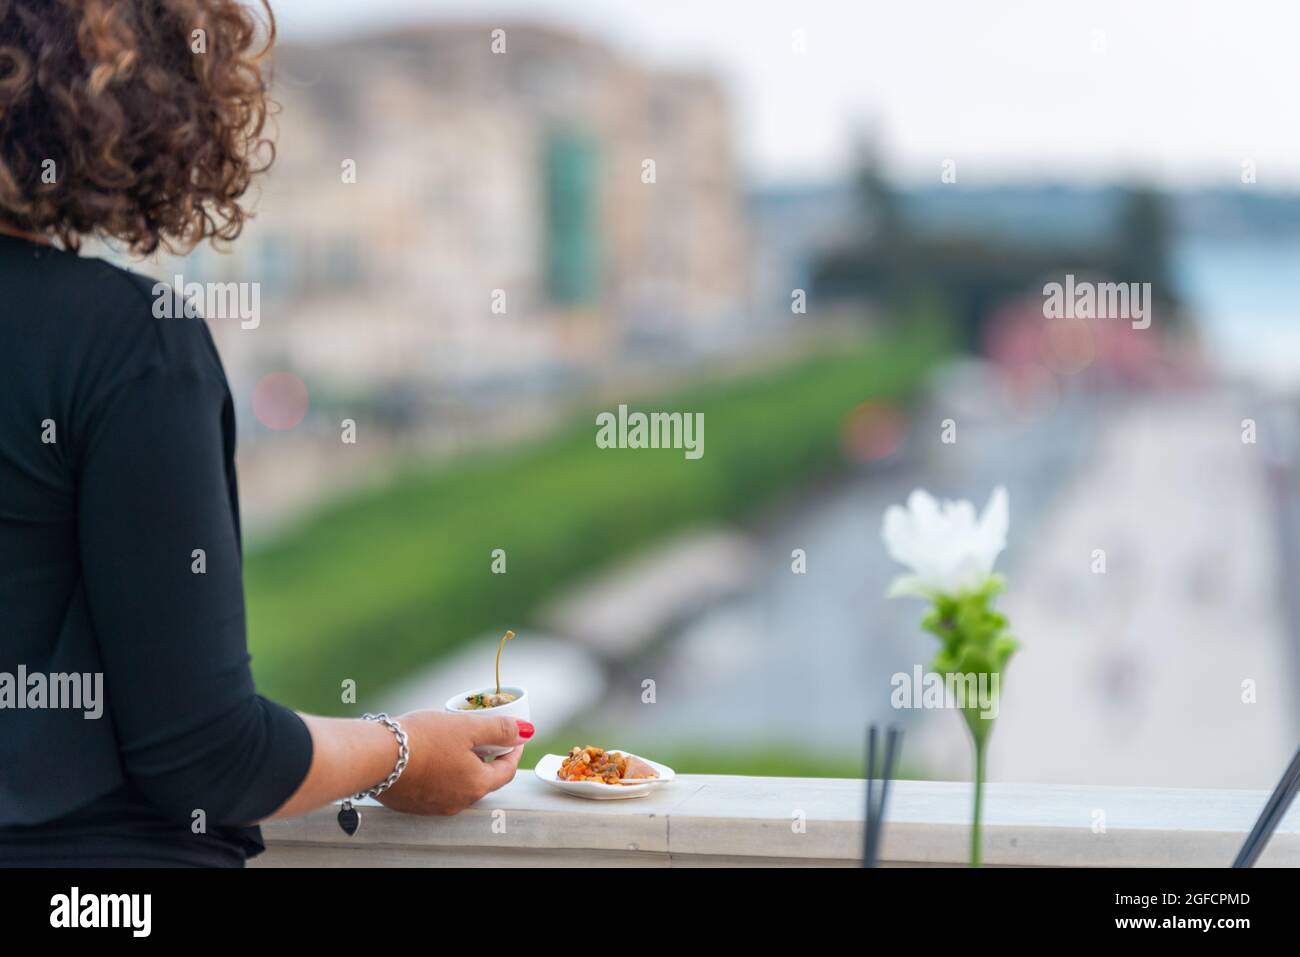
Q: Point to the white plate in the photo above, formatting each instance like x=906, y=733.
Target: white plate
x=549, y=766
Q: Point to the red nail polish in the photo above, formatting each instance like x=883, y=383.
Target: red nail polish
x=526, y=729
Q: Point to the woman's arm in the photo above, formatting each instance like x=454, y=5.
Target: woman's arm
x=443, y=776
x=160, y=562
x=160, y=558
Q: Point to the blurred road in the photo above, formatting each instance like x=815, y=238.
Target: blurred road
x=1137, y=675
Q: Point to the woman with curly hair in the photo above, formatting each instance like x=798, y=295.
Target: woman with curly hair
x=130, y=728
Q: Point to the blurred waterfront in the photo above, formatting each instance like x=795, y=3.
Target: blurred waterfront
x=464, y=254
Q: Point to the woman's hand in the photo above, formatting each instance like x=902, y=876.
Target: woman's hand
x=444, y=774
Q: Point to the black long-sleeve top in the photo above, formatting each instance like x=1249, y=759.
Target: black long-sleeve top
x=120, y=557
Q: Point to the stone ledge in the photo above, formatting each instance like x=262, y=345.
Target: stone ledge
x=717, y=819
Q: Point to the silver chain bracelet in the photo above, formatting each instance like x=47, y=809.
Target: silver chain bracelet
x=349, y=816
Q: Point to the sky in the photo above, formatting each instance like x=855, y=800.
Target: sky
x=1180, y=93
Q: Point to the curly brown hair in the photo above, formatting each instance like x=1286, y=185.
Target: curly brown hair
x=134, y=120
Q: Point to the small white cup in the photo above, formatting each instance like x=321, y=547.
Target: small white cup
x=517, y=709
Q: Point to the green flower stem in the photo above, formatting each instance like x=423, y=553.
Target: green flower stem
x=975, y=842
x=974, y=642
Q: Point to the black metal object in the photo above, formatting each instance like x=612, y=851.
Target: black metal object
x=1271, y=816
x=875, y=813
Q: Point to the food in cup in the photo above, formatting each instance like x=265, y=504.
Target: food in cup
x=482, y=700
x=494, y=702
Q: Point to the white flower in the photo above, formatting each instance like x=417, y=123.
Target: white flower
x=948, y=549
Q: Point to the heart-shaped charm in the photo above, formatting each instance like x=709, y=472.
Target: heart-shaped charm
x=349, y=818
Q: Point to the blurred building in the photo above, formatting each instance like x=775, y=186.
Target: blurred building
x=499, y=225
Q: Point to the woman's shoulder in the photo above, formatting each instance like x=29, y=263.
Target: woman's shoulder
x=176, y=321
x=80, y=336
x=119, y=323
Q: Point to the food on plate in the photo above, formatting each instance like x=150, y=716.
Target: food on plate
x=605, y=767
x=486, y=699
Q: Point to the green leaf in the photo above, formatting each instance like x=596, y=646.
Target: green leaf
x=973, y=641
